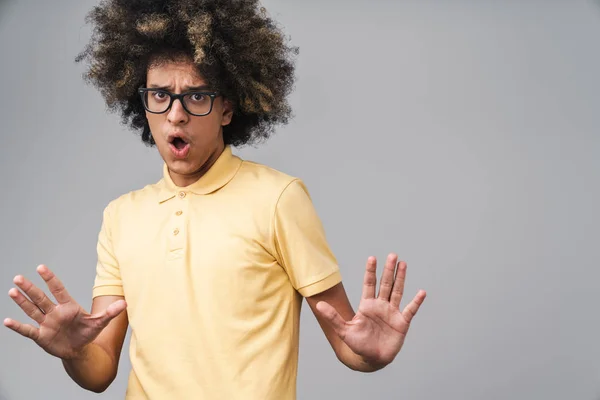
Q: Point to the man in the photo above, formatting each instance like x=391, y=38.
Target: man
x=209, y=266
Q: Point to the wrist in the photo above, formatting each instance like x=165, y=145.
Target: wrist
x=358, y=363
x=79, y=355
x=371, y=365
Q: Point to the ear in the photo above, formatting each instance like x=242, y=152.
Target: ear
x=227, y=112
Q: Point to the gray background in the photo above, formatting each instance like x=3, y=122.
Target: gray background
x=462, y=135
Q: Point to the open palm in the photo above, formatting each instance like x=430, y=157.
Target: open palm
x=378, y=329
x=64, y=327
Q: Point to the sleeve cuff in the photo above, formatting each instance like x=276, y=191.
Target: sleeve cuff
x=107, y=291
x=322, y=285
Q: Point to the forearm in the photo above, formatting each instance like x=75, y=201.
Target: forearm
x=354, y=361
x=94, y=370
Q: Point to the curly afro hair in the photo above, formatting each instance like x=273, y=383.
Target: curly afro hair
x=238, y=49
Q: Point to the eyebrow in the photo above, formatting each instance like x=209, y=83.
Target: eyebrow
x=186, y=89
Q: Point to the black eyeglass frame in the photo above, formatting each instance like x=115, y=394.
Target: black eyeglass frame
x=180, y=96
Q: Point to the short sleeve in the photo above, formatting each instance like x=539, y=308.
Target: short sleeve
x=300, y=242
x=108, y=275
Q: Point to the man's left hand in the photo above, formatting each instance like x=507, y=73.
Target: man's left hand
x=377, y=331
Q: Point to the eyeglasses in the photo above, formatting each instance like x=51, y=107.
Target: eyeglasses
x=158, y=101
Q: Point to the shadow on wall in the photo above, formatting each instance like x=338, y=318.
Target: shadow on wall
x=3, y=4
x=594, y=2
x=4, y=7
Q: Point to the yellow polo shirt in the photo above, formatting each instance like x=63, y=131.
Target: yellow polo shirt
x=214, y=275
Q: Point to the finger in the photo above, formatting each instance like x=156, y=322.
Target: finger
x=37, y=296
x=370, y=280
x=26, y=330
x=54, y=284
x=111, y=312
x=26, y=305
x=411, y=309
x=398, y=290
x=387, y=278
x=333, y=317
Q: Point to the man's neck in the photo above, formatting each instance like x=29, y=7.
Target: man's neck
x=189, y=179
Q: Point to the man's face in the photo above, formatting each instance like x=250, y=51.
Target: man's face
x=187, y=143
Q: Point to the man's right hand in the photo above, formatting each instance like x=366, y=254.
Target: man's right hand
x=65, y=328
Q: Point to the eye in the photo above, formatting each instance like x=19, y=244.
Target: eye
x=159, y=96
x=198, y=97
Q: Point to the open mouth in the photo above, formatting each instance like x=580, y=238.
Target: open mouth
x=178, y=143
x=179, y=146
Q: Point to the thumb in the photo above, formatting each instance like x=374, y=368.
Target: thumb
x=112, y=311
x=333, y=317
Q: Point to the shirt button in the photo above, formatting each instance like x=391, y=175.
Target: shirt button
x=178, y=213
x=176, y=232
x=181, y=195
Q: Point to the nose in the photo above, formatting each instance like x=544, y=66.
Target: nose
x=177, y=114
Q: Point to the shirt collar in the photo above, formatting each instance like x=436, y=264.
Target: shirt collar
x=221, y=172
